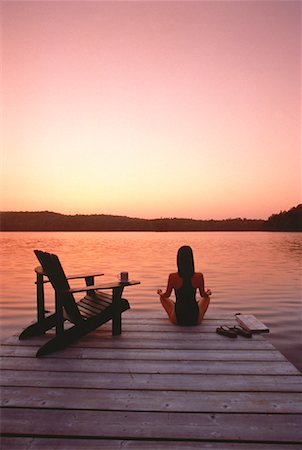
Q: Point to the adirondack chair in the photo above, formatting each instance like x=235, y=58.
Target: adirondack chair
x=95, y=309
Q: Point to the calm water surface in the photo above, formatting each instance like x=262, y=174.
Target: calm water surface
x=257, y=273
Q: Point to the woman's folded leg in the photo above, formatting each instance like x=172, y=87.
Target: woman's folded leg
x=203, y=304
x=169, y=307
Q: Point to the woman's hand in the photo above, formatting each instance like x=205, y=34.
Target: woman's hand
x=160, y=292
x=208, y=292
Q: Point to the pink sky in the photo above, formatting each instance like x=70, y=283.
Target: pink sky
x=149, y=109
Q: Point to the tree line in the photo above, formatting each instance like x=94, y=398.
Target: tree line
x=286, y=220
x=50, y=221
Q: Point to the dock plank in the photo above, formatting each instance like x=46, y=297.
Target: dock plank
x=136, y=400
x=145, y=366
x=152, y=354
x=12, y=443
x=155, y=382
x=154, y=340
x=154, y=425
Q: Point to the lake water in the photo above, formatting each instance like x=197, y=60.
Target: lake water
x=248, y=272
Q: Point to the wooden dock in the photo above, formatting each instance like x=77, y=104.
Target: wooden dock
x=157, y=386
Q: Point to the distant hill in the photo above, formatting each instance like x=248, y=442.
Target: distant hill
x=51, y=221
x=286, y=220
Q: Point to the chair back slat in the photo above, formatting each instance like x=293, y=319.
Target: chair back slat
x=56, y=275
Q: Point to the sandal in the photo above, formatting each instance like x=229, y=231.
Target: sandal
x=241, y=331
x=226, y=331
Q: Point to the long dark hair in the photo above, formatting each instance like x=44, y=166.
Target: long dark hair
x=185, y=262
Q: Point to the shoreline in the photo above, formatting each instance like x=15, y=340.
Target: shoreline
x=288, y=221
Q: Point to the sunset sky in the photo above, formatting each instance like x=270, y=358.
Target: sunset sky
x=150, y=109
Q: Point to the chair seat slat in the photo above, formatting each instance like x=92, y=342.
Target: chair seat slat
x=92, y=309
x=85, y=312
x=96, y=302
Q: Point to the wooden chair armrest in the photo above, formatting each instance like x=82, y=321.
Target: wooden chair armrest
x=40, y=271
x=95, y=287
x=85, y=275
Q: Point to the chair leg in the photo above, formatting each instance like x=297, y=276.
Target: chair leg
x=116, y=311
x=71, y=335
x=39, y=328
x=40, y=297
x=62, y=341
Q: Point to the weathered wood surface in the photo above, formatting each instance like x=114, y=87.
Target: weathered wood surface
x=251, y=323
x=157, y=386
x=104, y=444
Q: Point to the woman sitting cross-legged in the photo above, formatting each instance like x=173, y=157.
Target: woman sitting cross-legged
x=186, y=310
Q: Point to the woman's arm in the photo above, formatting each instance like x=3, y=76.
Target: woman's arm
x=170, y=286
x=204, y=293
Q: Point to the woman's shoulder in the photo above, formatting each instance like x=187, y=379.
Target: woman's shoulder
x=174, y=275
x=198, y=275
x=175, y=279
x=197, y=279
